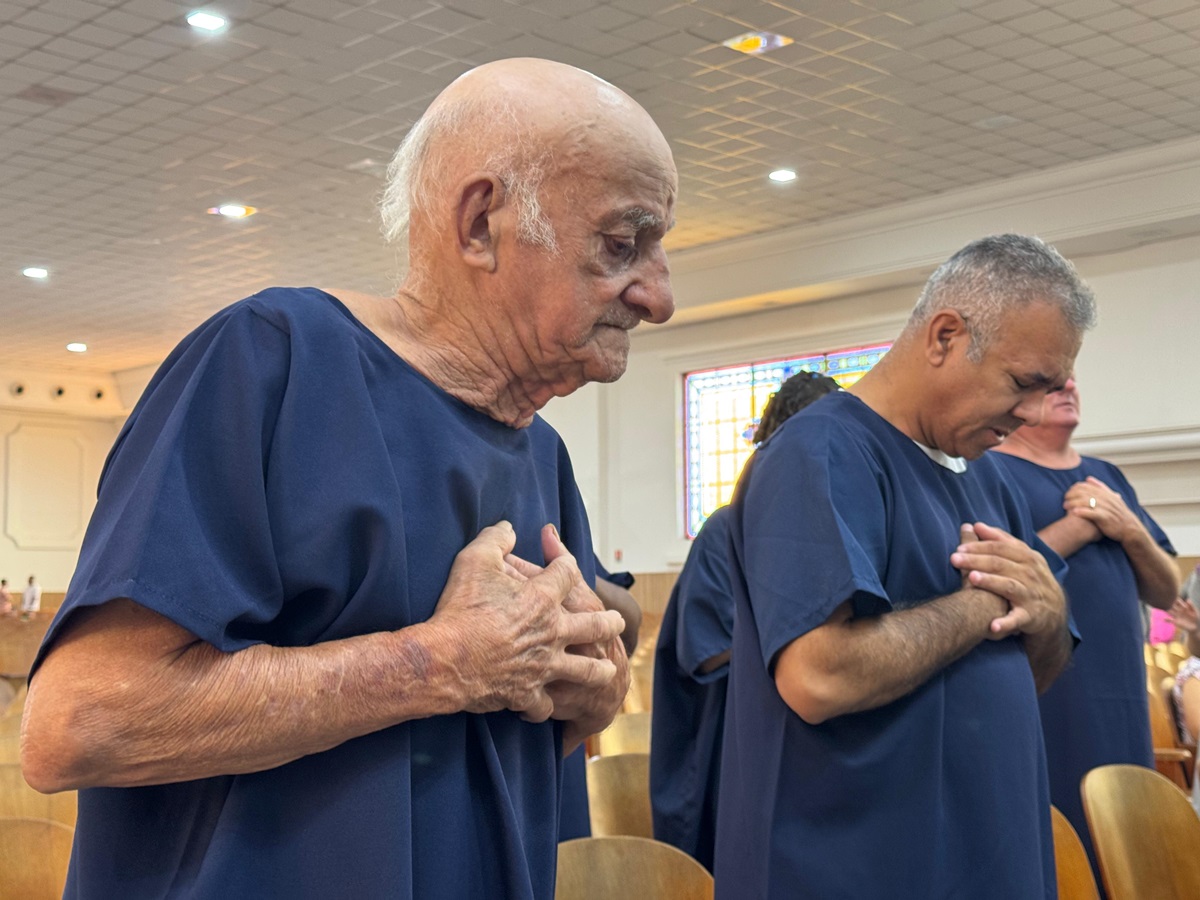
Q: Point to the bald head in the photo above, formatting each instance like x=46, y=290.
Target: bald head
x=519, y=119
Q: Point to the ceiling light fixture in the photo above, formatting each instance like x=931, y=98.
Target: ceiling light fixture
x=757, y=42
x=203, y=21
x=782, y=176
x=35, y=272
x=232, y=211
x=77, y=347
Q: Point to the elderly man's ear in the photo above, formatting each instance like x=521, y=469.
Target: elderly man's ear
x=480, y=200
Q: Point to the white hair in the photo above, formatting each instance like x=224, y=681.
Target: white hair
x=993, y=275
x=521, y=163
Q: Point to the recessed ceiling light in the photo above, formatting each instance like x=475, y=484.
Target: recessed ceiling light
x=757, y=42
x=206, y=21
x=35, y=272
x=232, y=211
x=76, y=347
x=782, y=176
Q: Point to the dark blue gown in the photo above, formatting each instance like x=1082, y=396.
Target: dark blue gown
x=939, y=794
x=689, y=706
x=1095, y=712
x=287, y=479
x=575, y=817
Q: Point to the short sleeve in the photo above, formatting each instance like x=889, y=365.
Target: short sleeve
x=814, y=523
x=704, y=617
x=182, y=524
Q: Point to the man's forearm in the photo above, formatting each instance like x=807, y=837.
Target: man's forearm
x=1068, y=535
x=850, y=665
x=152, y=717
x=1155, y=571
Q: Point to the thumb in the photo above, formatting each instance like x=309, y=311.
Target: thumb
x=552, y=545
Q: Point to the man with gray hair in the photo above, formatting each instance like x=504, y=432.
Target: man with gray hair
x=332, y=627
x=895, y=618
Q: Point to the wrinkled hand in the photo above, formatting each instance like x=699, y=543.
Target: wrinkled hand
x=590, y=706
x=1184, y=616
x=1111, y=517
x=998, y=562
x=506, y=631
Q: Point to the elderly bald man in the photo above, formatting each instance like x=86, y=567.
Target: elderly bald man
x=331, y=630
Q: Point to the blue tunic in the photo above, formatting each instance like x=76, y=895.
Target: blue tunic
x=689, y=705
x=939, y=794
x=287, y=479
x=575, y=816
x=1095, y=712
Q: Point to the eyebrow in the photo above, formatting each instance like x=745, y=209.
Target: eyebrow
x=639, y=219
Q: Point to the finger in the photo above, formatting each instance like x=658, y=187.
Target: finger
x=558, y=578
x=499, y=539
x=987, y=532
x=591, y=627
x=1004, y=586
x=584, y=670
x=966, y=533
x=523, y=567
x=1009, y=623
x=539, y=708
x=991, y=557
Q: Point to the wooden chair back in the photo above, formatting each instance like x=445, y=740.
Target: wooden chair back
x=34, y=854
x=628, y=733
x=641, y=687
x=619, y=868
x=1172, y=760
x=1145, y=833
x=17, y=702
x=619, y=795
x=1075, y=878
x=10, y=725
x=10, y=748
x=19, y=801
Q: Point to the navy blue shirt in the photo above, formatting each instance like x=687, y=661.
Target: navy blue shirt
x=1095, y=712
x=939, y=794
x=287, y=479
x=689, y=705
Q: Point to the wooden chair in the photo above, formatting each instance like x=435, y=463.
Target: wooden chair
x=10, y=748
x=1171, y=759
x=1145, y=833
x=19, y=801
x=628, y=733
x=10, y=725
x=1165, y=660
x=619, y=868
x=1075, y=878
x=34, y=854
x=619, y=794
x=17, y=702
x=1178, y=652
x=641, y=687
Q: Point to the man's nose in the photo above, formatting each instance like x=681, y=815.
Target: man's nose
x=1029, y=410
x=651, y=295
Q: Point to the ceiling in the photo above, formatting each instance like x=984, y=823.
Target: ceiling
x=121, y=125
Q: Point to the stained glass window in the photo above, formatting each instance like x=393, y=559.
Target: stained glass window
x=722, y=409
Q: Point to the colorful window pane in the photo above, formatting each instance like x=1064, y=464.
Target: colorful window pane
x=722, y=409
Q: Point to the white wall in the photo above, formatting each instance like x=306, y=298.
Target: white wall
x=49, y=466
x=1139, y=372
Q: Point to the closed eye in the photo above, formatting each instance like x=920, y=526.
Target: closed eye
x=620, y=248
